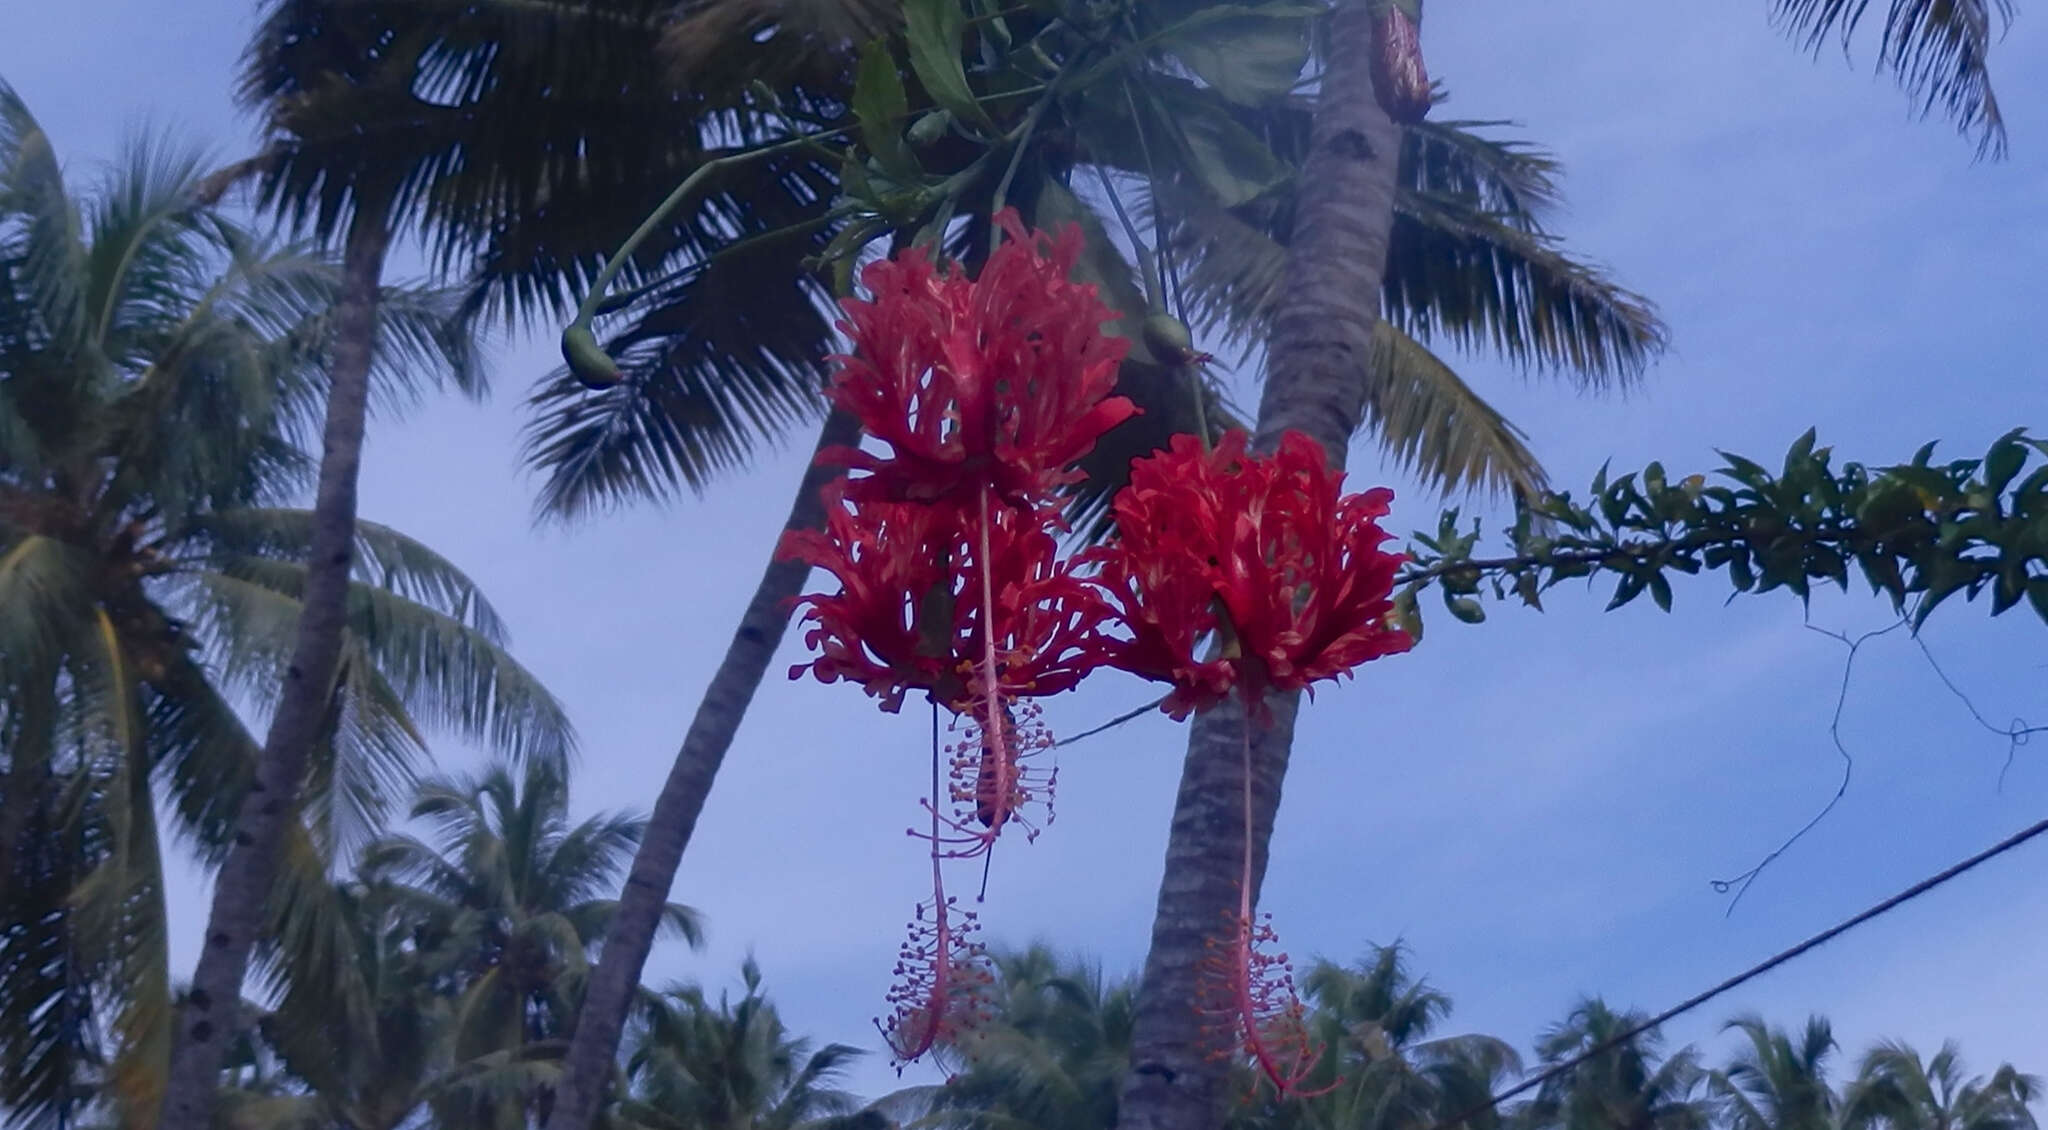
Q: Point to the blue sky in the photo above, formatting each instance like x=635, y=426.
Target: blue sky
x=1536, y=805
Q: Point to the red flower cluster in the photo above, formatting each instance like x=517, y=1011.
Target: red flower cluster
x=985, y=393
x=934, y=598
x=997, y=383
x=1266, y=551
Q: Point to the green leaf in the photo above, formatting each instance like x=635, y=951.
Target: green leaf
x=1739, y=571
x=1628, y=588
x=1248, y=54
x=1800, y=453
x=1191, y=125
x=2004, y=461
x=1660, y=591
x=933, y=29
x=1228, y=159
x=881, y=105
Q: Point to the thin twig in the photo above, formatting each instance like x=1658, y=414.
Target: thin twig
x=2017, y=734
x=1743, y=881
x=1113, y=723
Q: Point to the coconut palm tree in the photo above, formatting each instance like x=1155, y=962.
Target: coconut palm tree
x=1896, y=1089
x=622, y=442
x=1381, y=1062
x=1050, y=1055
x=1628, y=1087
x=1326, y=318
x=475, y=119
x=506, y=900
x=159, y=369
x=364, y=1052
x=1778, y=1081
x=731, y=1066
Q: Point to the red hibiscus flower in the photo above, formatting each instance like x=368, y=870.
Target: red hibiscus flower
x=1001, y=381
x=890, y=627
x=1264, y=549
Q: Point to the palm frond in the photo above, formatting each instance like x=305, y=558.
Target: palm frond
x=1459, y=268
x=805, y=46
x=41, y=227
x=1164, y=395
x=1938, y=50
x=45, y=599
x=537, y=130
x=142, y=220
x=120, y=912
x=49, y=1046
x=1432, y=424
x=371, y=757
x=726, y=357
x=450, y=676
x=385, y=558
x=1479, y=282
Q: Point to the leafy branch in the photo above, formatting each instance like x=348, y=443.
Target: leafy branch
x=1920, y=531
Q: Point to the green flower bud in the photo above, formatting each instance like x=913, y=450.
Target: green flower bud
x=587, y=359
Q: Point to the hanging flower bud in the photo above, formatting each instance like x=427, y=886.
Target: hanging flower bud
x=1169, y=340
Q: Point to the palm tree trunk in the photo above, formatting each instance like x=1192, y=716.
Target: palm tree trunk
x=1315, y=383
x=595, y=1044
x=240, y=891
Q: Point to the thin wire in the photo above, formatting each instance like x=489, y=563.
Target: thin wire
x=1753, y=972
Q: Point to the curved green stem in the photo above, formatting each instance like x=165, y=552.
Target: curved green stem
x=586, y=359
x=1024, y=133
x=1116, y=204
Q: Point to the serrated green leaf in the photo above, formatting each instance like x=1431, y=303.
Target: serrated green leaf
x=2010, y=589
x=933, y=29
x=1660, y=591
x=1526, y=588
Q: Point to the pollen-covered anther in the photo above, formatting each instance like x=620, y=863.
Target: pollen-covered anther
x=993, y=777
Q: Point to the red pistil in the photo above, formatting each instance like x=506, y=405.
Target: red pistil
x=941, y=981
x=1247, y=993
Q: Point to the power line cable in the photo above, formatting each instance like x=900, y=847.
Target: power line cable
x=1750, y=974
